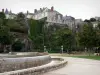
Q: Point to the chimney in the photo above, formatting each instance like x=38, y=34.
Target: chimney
x=27, y=12
x=40, y=9
x=35, y=10
x=3, y=10
x=52, y=8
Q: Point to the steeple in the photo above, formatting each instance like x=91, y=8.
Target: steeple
x=6, y=12
x=35, y=10
x=10, y=12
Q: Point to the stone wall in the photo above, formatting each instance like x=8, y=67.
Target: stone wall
x=38, y=70
x=12, y=64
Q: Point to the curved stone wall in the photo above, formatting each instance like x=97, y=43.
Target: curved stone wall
x=12, y=64
x=23, y=54
x=32, y=53
x=38, y=70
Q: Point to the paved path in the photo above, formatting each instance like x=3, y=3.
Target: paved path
x=78, y=66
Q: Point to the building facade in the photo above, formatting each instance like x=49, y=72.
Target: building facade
x=9, y=14
x=53, y=17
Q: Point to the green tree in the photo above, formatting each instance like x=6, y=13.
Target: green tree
x=92, y=19
x=63, y=37
x=5, y=37
x=21, y=19
x=88, y=37
x=88, y=21
x=2, y=15
x=3, y=20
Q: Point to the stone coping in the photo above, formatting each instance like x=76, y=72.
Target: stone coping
x=22, y=54
x=38, y=70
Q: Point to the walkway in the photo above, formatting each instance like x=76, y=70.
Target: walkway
x=78, y=66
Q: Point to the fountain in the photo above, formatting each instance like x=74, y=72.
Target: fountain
x=28, y=63
x=32, y=63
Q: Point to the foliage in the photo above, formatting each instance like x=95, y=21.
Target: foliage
x=15, y=26
x=62, y=37
x=3, y=20
x=36, y=33
x=88, y=21
x=35, y=27
x=5, y=37
x=92, y=19
x=2, y=15
x=21, y=19
x=88, y=37
x=22, y=23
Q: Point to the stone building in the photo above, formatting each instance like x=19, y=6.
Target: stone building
x=9, y=14
x=97, y=18
x=53, y=17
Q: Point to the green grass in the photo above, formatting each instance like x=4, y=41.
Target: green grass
x=77, y=56
x=88, y=57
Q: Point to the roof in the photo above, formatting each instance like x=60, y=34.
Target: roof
x=68, y=18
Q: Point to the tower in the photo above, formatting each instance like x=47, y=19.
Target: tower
x=35, y=10
x=6, y=12
x=10, y=12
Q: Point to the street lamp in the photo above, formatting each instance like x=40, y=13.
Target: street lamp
x=62, y=49
x=44, y=48
x=44, y=19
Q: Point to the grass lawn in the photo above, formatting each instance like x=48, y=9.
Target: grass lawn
x=78, y=56
x=88, y=57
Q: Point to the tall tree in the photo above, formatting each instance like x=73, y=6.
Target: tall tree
x=2, y=18
x=88, y=37
x=21, y=19
x=63, y=37
x=5, y=37
x=92, y=19
x=2, y=15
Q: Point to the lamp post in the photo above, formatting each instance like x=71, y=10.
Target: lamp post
x=44, y=33
x=62, y=49
x=44, y=48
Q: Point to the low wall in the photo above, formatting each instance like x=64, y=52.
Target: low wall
x=22, y=54
x=12, y=64
x=31, y=53
x=38, y=70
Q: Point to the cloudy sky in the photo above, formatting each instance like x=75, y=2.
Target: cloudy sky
x=76, y=8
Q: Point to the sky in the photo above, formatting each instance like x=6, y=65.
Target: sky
x=83, y=9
